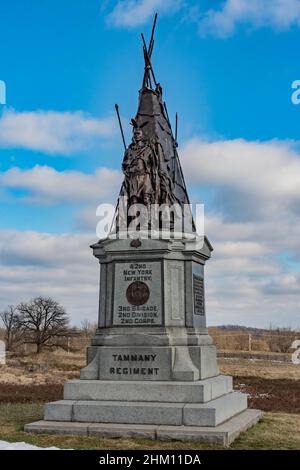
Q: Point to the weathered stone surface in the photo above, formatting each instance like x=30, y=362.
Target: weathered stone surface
x=223, y=434
x=220, y=385
x=205, y=359
x=167, y=269
x=178, y=392
x=130, y=308
x=59, y=410
x=152, y=337
x=122, y=430
x=174, y=293
x=135, y=363
x=127, y=412
x=211, y=413
x=216, y=411
x=178, y=361
x=57, y=427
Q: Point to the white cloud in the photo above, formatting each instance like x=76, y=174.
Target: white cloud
x=132, y=13
x=220, y=20
x=47, y=185
x=254, y=177
x=278, y=14
x=61, y=266
x=254, y=275
x=42, y=249
x=251, y=290
x=53, y=132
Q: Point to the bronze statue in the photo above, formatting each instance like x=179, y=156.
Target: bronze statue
x=140, y=168
x=151, y=166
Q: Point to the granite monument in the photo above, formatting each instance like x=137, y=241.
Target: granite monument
x=152, y=367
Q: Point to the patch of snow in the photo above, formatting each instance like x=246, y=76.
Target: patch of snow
x=257, y=395
x=22, y=446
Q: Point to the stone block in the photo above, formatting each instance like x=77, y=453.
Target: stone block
x=223, y=434
x=57, y=427
x=205, y=359
x=127, y=412
x=122, y=431
x=160, y=391
x=135, y=363
x=216, y=411
x=220, y=385
x=58, y=410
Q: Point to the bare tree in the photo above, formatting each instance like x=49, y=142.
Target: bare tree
x=43, y=319
x=10, y=320
x=280, y=339
x=88, y=328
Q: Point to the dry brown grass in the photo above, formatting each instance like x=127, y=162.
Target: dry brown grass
x=41, y=369
x=264, y=369
x=243, y=339
x=12, y=376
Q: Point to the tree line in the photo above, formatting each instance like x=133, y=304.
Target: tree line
x=39, y=321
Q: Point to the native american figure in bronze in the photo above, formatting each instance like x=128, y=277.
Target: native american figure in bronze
x=140, y=168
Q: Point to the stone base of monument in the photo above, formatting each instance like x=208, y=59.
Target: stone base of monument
x=152, y=366
x=204, y=410
x=223, y=434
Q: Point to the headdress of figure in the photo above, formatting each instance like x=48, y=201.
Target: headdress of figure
x=137, y=128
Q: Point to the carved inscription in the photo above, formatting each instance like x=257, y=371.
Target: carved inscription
x=137, y=294
x=134, y=364
x=199, y=302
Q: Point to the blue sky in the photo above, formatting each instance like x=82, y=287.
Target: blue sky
x=226, y=67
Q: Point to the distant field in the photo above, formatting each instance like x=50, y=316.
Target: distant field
x=265, y=369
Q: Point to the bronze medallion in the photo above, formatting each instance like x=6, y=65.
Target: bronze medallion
x=137, y=293
x=136, y=243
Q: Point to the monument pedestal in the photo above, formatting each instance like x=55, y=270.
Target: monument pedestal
x=152, y=323
x=152, y=367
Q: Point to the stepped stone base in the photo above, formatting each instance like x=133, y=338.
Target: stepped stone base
x=200, y=391
x=206, y=402
x=211, y=413
x=223, y=434
x=204, y=410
